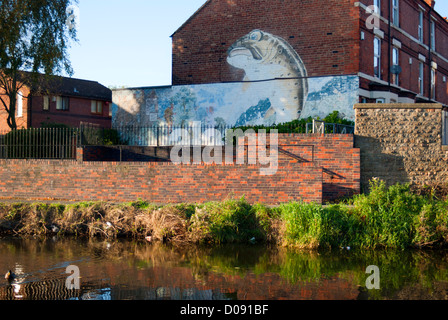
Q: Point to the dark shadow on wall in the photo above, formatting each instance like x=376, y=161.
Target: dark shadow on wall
x=377, y=164
x=340, y=188
x=126, y=154
x=335, y=192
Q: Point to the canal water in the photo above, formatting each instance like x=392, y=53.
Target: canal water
x=127, y=270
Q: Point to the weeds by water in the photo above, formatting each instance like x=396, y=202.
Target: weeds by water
x=394, y=217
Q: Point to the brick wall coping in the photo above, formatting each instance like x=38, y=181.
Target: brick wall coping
x=398, y=106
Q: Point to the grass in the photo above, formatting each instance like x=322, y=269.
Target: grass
x=386, y=217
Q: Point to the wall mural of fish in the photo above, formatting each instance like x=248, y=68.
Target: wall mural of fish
x=276, y=88
x=264, y=56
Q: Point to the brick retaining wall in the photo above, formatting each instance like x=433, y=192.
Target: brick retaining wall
x=333, y=173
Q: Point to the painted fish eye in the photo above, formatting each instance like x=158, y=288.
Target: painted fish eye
x=256, y=35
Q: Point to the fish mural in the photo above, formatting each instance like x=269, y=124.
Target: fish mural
x=275, y=88
x=264, y=56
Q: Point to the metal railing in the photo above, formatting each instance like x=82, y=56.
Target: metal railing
x=321, y=127
x=61, y=143
x=155, y=136
x=41, y=143
x=195, y=134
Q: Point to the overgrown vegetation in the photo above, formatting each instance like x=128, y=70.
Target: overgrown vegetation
x=96, y=136
x=387, y=217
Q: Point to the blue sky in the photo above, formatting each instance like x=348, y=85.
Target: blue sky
x=127, y=43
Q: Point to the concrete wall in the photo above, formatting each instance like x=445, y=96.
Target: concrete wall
x=235, y=104
x=401, y=143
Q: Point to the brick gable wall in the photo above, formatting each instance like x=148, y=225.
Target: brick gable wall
x=323, y=32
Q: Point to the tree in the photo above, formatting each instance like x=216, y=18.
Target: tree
x=34, y=38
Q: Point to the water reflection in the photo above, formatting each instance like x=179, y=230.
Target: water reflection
x=126, y=270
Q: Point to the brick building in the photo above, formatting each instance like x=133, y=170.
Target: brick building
x=405, y=60
x=60, y=100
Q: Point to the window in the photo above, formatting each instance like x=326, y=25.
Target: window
x=395, y=62
x=380, y=100
x=433, y=35
x=97, y=107
x=420, y=26
x=62, y=103
x=420, y=78
x=395, y=13
x=377, y=4
x=46, y=103
x=377, y=57
x=19, y=105
x=433, y=83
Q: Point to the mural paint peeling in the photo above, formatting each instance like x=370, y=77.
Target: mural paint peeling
x=264, y=56
x=229, y=103
x=275, y=89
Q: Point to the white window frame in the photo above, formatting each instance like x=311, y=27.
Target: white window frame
x=45, y=103
x=396, y=62
x=433, y=35
x=433, y=83
x=421, y=28
x=96, y=107
x=421, y=77
x=396, y=12
x=19, y=104
x=377, y=4
x=377, y=57
x=62, y=103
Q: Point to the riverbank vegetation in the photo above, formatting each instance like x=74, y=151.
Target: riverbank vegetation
x=386, y=217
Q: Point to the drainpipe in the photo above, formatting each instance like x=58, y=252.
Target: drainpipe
x=389, y=46
x=430, y=53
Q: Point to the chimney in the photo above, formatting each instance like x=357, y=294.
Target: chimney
x=431, y=3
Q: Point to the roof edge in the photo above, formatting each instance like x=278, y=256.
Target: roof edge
x=191, y=18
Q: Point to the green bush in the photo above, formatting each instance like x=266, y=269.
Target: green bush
x=431, y=225
x=396, y=217
x=386, y=217
x=391, y=217
x=304, y=224
x=299, y=125
x=41, y=143
x=226, y=222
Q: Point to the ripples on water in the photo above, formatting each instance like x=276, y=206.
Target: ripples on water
x=126, y=270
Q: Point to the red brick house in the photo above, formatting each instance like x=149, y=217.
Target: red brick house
x=404, y=60
x=61, y=100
